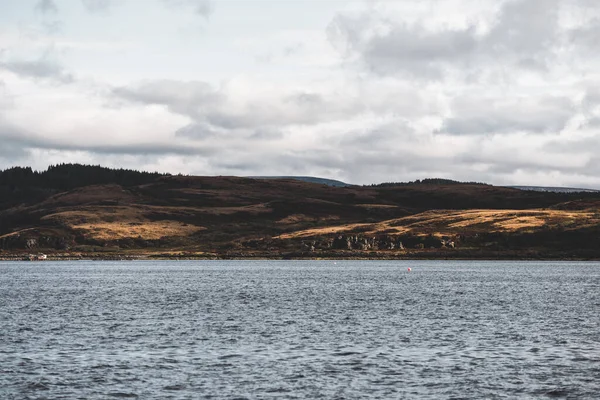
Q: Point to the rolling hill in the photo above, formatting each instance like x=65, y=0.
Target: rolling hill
x=102, y=213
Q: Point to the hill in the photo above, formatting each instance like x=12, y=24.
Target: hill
x=311, y=179
x=118, y=213
x=556, y=189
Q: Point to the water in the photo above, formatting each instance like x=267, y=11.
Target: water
x=301, y=329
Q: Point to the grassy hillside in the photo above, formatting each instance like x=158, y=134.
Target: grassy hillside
x=245, y=217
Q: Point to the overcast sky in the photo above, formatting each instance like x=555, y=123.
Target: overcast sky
x=505, y=92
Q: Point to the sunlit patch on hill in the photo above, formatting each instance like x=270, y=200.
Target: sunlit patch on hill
x=144, y=230
x=451, y=222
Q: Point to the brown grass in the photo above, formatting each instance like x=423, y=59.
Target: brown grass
x=16, y=233
x=448, y=222
x=146, y=230
x=301, y=218
x=373, y=206
x=113, y=223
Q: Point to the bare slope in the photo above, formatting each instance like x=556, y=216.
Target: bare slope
x=233, y=216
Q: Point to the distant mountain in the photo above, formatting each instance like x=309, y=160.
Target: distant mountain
x=310, y=179
x=554, y=189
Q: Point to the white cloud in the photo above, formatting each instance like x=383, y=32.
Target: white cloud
x=97, y=6
x=496, y=91
x=201, y=7
x=46, y=7
x=498, y=115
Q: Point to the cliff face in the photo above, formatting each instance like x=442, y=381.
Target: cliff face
x=230, y=217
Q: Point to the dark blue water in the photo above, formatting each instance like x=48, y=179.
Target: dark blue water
x=305, y=329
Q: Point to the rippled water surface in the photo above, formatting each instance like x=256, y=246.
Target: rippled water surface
x=299, y=329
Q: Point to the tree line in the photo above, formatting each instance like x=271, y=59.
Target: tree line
x=426, y=181
x=71, y=176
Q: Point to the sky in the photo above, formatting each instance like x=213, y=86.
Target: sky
x=499, y=91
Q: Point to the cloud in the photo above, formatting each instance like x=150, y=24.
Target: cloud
x=487, y=115
x=21, y=142
x=196, y=131
x=203, y=8
x=6, y=98
x=525, y=28
x=46, y=7
x=498, y=91
x=10, y=149
x=97, y=6
x=525, y=34
x=591, y=99
x=226, y=108
x=38, y=69
x=398, y=48
x=587, y=35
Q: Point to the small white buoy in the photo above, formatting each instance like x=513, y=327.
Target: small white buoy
x=409, y=269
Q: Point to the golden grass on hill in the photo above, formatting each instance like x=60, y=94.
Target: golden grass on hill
x=449, y=222
x=96, y=214
x=327, y=230
x=299, y=218
x=113, y=223
x=370, y=206
x=16, y=233
x=149, y=230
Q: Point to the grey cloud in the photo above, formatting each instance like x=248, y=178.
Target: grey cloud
x=52, y=27
x=525, y=27
x=381, y=137
x=508, y=163
x=38, y=69
x=11, y=151
x=206, y=105
x=287, y=51
x=6, y=98
x=187, y=98
x=199, y=131
x=21, y=142
x=306, y=99
x=282, y=163
x=292, y=49
x=523, y=36
x=203, y=8
x=474, y=116
x=594, y=122
x=587, y=36
x=138, y=149
x=196, y=131
x=586, y=145
x=360, y=165
x=11, y=148
x=266, y=134
x=400, y=49
x=46, y=6
x=97, y=6
x=592, y=96
x=193, y=99
x=417, y=51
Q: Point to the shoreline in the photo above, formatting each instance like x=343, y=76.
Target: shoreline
x=297, y=257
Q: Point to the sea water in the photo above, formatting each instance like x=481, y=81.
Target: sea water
x=299, y=329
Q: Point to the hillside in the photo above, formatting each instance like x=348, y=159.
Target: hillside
x=310, y=179
x=185, y=216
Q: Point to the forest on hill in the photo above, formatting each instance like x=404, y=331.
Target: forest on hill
x=24, y=185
